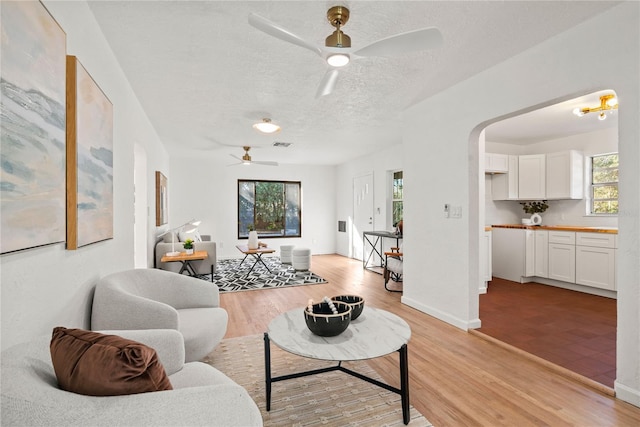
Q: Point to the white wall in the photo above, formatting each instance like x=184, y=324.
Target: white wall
x=379, y=164
x=50, y=286
x=570, y=212
x=204, y=187
x=446, y=127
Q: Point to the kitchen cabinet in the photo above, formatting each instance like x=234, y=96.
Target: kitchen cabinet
x=513, y=253
x=596, y=260
x=504, y=186
x=485, y=260
x=564, y=175
x=541, y=258
x=562, y=256
x=496, y=163
x=532, y=177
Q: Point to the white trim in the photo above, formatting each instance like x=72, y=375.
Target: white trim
x=627, y=394
x=441, y=315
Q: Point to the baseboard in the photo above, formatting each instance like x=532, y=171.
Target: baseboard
x=445, y=317
x=627, y=394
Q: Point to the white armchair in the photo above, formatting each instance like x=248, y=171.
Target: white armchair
x=156, y=299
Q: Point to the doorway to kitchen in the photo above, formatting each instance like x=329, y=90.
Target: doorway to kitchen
x=560, y=325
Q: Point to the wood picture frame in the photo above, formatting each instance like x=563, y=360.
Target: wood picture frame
x=32, y=129
x=162, y=211
x=89, y=159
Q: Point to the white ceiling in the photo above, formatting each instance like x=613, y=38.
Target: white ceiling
x=204, y=75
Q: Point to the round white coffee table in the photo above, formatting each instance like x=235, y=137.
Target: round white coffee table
x=375, y=333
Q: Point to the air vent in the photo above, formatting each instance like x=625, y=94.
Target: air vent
x=281, y=144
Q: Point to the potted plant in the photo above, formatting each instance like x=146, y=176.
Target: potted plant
x=535, y=208
x=253, y=237
x=188, y=246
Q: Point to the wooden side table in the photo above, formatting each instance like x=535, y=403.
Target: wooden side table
x=186, y=260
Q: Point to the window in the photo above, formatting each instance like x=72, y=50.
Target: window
x=396, y=207
x=604, y=184
x=272, y=207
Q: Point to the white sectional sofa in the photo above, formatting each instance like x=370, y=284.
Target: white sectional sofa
x=202, y=395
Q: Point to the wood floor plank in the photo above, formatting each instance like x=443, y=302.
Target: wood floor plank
x=456, y=378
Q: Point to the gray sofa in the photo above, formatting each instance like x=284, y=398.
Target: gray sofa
x=155, y=299
x=205, y=266
x=202, y=395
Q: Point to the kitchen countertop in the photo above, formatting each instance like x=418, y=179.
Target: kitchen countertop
x=580, y=228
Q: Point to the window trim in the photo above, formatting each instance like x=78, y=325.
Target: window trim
x=244, y=234
x=393, y=200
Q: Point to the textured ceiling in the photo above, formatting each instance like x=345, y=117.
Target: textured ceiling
x=204, y=75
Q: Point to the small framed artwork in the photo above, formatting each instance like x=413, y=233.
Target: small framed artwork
x=89, y=159
x=162, y=214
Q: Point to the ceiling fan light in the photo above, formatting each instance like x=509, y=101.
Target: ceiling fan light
x=578, y=112
x=338, y=60
x=265, y=126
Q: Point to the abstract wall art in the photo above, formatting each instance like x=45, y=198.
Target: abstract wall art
x=32, y=127
x=89, y=159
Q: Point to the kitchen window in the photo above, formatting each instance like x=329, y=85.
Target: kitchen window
x=272, y=208
x=396, y=207
x=604, y=184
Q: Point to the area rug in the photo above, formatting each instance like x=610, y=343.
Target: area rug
x=230, y=276
x=329, y=399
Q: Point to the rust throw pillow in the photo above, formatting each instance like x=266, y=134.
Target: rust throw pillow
x=96, y=364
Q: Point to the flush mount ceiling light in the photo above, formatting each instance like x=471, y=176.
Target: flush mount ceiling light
x=608, y=103
x=265, y=126
x=338, y=16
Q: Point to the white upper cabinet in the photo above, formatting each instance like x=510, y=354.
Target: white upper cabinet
x=532, y=177
x=496, y=163
x=564, y=177
x=505, y=185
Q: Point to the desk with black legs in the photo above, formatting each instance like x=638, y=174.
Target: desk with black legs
x=375, y=240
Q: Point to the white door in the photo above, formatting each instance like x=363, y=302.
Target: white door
x=362, y=213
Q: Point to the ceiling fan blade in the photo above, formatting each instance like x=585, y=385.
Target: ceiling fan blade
x=236, y=157
x=328, y=82
x=411, y=41
x=257, y=162
x=276, y=31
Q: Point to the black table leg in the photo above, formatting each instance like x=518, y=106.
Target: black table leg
x=404, y=383
x=267, y=368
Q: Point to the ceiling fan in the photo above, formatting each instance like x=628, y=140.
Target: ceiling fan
x=337, y=50
x=246, y=159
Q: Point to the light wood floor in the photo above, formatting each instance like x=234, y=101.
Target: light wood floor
x=456, y=378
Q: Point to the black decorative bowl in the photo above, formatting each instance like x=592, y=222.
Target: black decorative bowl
x=355, y=302
x=326, y=324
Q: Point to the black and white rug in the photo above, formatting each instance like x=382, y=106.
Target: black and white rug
x=230, y=276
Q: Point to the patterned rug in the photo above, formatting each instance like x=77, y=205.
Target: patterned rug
x=230, y=276
x=329, y=399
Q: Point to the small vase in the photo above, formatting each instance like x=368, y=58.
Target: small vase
x=189, y=251
x=536, y=219
x=253, y=240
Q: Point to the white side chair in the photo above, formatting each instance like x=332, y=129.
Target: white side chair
x=392, y=267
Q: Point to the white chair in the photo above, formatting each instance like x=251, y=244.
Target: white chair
x=392, y=267
x=156, y=299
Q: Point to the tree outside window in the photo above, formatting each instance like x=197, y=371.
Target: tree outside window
x=272, y=208
x=604, y=184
